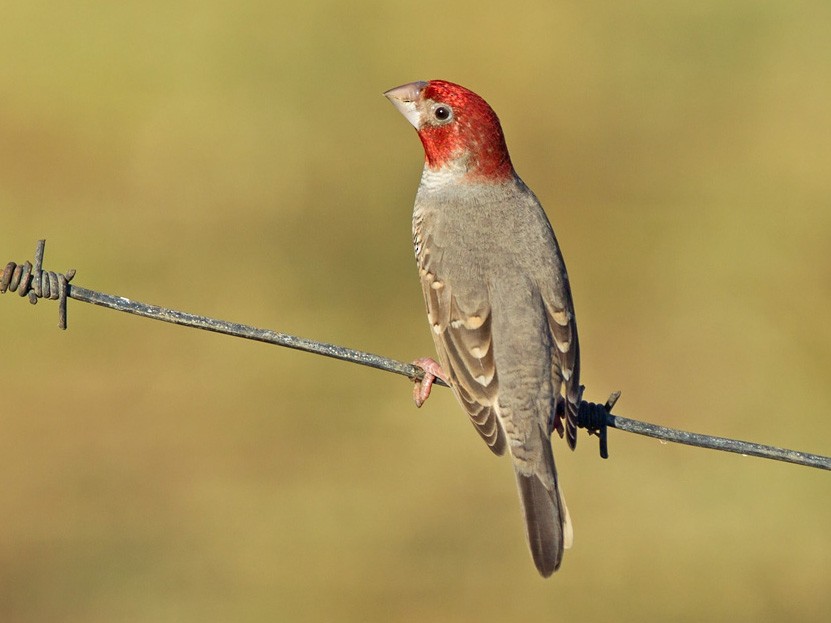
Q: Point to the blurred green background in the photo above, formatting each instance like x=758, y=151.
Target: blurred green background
x=237, y=159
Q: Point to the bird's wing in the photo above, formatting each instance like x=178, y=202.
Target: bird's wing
x=565, y=364
x=461, y=328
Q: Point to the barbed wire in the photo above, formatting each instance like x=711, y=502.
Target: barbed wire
x=30, y=280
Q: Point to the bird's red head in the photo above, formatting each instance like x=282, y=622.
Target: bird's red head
x=457, y=128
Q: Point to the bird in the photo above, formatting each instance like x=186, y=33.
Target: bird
x=498, y=300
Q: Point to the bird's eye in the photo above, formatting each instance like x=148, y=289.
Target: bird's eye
x=442, y=112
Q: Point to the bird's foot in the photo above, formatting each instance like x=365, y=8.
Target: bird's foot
x=432, y=371
x=557, y=419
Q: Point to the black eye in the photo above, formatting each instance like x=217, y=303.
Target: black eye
x=442, y=113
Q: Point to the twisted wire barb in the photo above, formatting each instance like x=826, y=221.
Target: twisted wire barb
x=31, y=280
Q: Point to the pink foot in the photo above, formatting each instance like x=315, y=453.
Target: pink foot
x=432, y=371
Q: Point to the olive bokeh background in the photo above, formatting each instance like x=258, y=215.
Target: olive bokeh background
x=237, y=159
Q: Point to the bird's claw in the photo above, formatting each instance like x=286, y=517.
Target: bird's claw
x=432, y=371
x=558, y=416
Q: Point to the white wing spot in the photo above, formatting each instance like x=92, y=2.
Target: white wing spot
x=561, y=317
x=483, y=379
x=478, y=352
x=474, y=322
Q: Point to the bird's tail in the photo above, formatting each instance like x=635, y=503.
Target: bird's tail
x=547, y=523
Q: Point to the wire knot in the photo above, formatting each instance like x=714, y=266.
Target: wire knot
x=595, y=418
x=31, y=280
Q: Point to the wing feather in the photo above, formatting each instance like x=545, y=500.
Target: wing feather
x=463, y=342
x=565, y=368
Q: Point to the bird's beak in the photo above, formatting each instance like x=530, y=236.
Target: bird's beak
x=406, y=98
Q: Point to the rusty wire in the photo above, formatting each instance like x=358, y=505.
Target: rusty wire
x=31, y=280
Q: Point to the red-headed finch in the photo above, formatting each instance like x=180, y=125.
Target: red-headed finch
x=498, y=299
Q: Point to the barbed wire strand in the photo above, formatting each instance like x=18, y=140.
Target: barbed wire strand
x=31, y=280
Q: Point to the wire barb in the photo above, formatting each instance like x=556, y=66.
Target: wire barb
x=595, y=419
x=32, y=280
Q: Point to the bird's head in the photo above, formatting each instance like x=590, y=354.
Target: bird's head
x=458, y=129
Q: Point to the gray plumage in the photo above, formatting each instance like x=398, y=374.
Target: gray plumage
x=500, y=310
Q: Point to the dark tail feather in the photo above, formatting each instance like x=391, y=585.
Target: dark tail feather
x=545, y=519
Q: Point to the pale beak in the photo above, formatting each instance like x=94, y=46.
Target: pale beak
x=406, y=98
